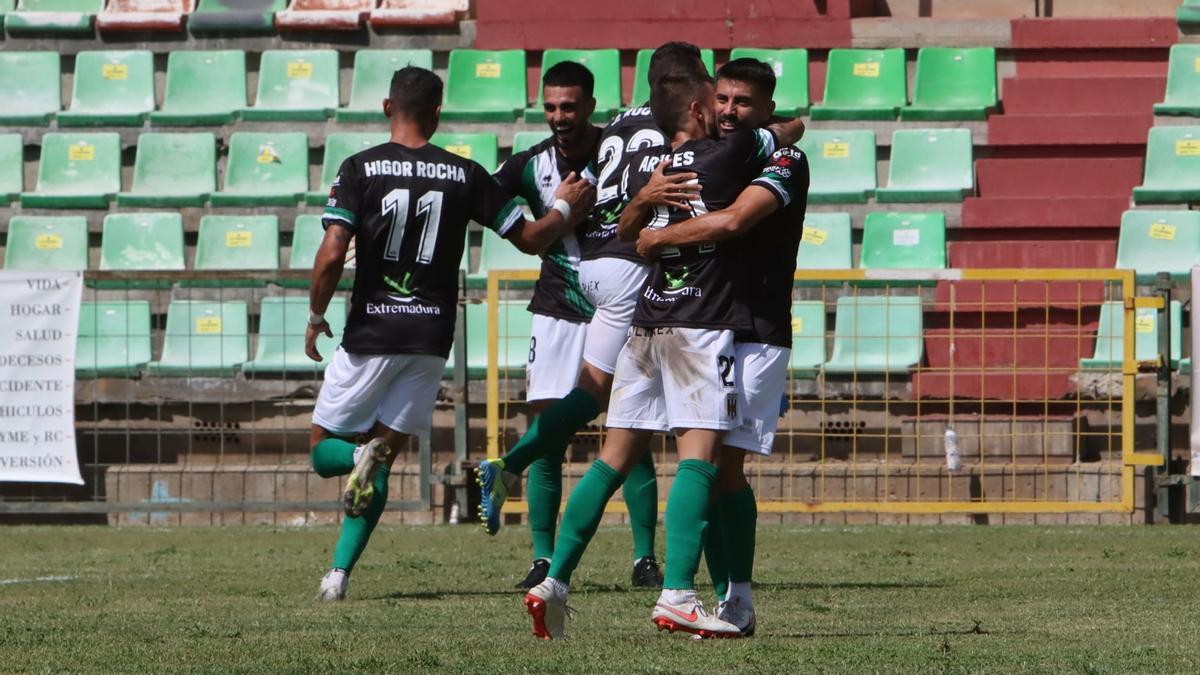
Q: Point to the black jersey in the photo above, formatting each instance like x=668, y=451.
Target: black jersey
x=409, y=209
x=534, y=175
x=631, y=132
x=699, y=286
x=769, y=249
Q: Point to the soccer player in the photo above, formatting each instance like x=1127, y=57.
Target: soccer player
x=407, y=203
x=677, y=369
x=611, y=275
x=769, y=216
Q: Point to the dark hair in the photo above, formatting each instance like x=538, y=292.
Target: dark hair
x=570, y=74
x=671, y=97
x=415, y=93
x=753, y=71
x=673, y=58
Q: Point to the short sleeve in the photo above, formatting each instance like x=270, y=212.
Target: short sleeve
x=492, y=206
x=785, y=176
x=345, y=198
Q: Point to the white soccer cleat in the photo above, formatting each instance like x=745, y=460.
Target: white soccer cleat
x=547, y=605
x=360, y=486
x=690, y=616
x=732, y=611
x=333, y=586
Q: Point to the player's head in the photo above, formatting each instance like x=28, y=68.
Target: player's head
x=744, y=96
x=415, y=98
x=567, y=100
x=674, y=58
x=683, y=102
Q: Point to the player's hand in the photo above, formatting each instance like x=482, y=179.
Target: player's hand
x=648, y=243
x=579, y=193
x=310, y=338
x=673, y=190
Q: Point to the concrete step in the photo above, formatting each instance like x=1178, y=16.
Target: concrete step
x=1070, y=129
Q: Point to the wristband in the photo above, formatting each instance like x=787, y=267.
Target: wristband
x=563, y=208
x=315, y=319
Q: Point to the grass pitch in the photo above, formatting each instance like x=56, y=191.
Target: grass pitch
x=856, y=599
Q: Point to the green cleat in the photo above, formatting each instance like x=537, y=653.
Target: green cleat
x=360, y=486
x=494, y=483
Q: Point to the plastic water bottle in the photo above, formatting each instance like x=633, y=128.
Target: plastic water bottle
x=951, y=445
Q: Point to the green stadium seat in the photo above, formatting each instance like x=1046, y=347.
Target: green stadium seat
x=842, y=165
x=481, y=146
x=485, y=86
x=172, y=170
x=238, y=243
x=300, y=85
x=235, y=16
x=53, y=16
x=894, y=241
x=876, y=334
x=1159, y=241
x=142, y=241
x=791, y=76
x=605, y=65
x=12, y=167
x=827, y=242
x=6, y=6
x=203, y=339
x=1110, y=337
x=808, y=338
x=29, y=88
x=373, y=70
x=516, y=325
x=641, y=74
x=1188, y=14
x=929, y=165
x=77, y=170
x=307, y=234
x=524, y=140
x=1183, y=82
x=41, y=243
x=111, y=88
x=953, y=84
x=1172, y=167
x=203, y=88
x=497, y=254
x=339, y=146
x=113, y=339
x=281, y=329
x=264, y=169
x=863, y=84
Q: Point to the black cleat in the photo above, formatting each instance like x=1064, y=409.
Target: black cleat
x=646, y=573
x=537, y=574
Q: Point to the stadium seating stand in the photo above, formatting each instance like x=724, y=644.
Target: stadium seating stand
x=30, y=82
x=12, y=167
x=113, y=339
x=144, y=15
x=791, y=76
x=295, y=85
x=1183, y=82
x=172, y=170
x=953, y=84
x=808, y=338
x=280, y=348
x=876, y=334
x=235, y=16
x=605, y=65
x=1172, y=167
x=53, y=16
x=203, y=88
x=485, y=86
x=1159, y=241
x=372, y=79
x=77, y=170
x=41, y=243
x=841, y=165
x=1110, y=337
x=111, y=88
x=313, y=15
x=418, y=13
x=265, y=169
x=929, y=165
x=863, y=84
x=203, y=339
x=479, y=146
x=826, y=243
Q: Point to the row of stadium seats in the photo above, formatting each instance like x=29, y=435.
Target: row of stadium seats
x=222, y=16
x=83, y=170
x=1172, y=167
x=209, y=87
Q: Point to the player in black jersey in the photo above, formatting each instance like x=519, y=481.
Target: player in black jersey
x=407, y=203
x=769, y=217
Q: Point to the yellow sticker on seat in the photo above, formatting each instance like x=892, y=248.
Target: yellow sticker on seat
x=267, y=155
x=1144, y=324
x=487, y=70
x=115, y=71
x=81, y=152
x=238, y=239
x=814, y=235
x=48, y=242
x=1187, y=148
x=870, y=69
x=208, y=325
x=463, y=151
x=299, y=70
x=1198, y=64
x=836, y=150
x=1162, y=231
x=797, y=325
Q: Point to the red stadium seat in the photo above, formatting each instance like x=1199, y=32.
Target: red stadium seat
x=324, y=15
x=418, y=12
x=144, y=15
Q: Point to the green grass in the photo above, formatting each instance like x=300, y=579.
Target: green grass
x=858, y=599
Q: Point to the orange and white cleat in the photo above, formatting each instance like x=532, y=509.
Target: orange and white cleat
x=690, y=616
x=547, y=606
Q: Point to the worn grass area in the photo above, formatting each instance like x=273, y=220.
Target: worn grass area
x=438, y=598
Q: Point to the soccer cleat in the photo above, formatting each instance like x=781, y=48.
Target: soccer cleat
x=333, y=586
x=537, y=574
x=733, y=612
x=646, y=573
x=360, y=486
x=691, y=617
x=494, y=484
x=547, y=605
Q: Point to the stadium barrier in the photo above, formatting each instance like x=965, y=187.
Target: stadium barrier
x=951, y=391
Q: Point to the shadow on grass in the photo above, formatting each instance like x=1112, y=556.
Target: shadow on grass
x=977, y=629
x=585, y=588
x=848, y=585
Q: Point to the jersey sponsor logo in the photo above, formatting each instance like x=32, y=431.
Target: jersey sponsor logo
x=384, y=308
x=407, y=169
x=402, y=288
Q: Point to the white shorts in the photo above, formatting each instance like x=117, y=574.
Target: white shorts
x=675, y=378
x=612, y=285
x=399, y=390
x=555, y=347
x=762, y=379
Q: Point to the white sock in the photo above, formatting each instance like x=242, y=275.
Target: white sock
x=740, y=590
x=677, y=597
x=560, y=589
x=358, y=451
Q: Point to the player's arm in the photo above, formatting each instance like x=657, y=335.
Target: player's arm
x=752, y=205
x=340, y=220
x=788, y=131
x=573, y=201
x=660, y=190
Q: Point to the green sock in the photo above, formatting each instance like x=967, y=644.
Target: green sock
x=333, y=457
x=552, y=430
x=582, y=516
x=739, y=518
x=714, y=552
x=641, y=498
x=687, y=518
x=356, y=531
x=544, y=493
